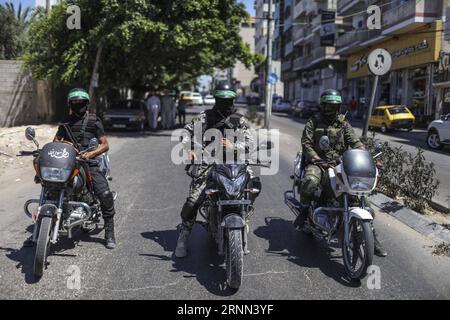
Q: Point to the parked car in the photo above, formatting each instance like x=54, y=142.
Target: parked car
x=193, y=98
x=209, y=100
x=281, y=105
x=292, y=107
x=306, y=109
x=253, y=101
x=126, y=114
x=241, y=100
x=393, y=117
x=439, y=133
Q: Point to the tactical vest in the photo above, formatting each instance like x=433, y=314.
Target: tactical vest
x=335, y=134
x=89, y=129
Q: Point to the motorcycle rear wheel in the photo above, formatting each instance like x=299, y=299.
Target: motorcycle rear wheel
x=234, y=256
x=42, y=246
x=361, y=247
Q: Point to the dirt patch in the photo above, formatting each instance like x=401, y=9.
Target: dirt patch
x=12, y=140
x=442, y=249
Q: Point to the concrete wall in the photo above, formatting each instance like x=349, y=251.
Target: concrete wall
x=23, y=100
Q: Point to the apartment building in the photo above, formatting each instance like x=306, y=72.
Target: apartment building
x=261, y=12
x=310, y=63
x=411, y=32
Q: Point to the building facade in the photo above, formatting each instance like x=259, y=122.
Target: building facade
x=260, y=40
x=307, y=40
x=412, y=32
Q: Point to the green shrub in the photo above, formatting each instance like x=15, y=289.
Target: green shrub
x=406, y=175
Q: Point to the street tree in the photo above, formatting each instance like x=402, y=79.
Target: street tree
x=145, y=44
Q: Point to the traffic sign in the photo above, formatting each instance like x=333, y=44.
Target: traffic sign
x=379, y=62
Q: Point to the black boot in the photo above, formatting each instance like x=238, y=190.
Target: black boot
x=379, y=250
x=299, y=222
x=110, y=239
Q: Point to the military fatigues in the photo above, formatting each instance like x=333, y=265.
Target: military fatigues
x=341, y=137
x=211, y=119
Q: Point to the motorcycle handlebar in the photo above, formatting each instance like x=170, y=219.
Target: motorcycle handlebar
x=24, y=153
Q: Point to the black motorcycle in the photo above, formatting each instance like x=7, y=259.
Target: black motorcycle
x=226, y=209
x=67, y=199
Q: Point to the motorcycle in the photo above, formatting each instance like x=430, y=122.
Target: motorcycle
x=67, y=199
x=226, y=211
x=346, y=218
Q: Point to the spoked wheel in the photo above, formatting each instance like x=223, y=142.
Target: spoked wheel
x=234, y=257
x=42, y=246
x=358, y=255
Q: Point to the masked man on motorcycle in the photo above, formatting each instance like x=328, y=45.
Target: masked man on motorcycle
x=340, y=137
x=84, y=126
x=222, y=116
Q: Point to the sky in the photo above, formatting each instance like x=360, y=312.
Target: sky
x=30, y=3
x=25, y=3
x=249, y=5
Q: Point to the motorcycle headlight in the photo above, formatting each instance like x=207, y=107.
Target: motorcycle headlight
x=106, y=118
x=233, y=188
x=361, y=184
x=55, y=174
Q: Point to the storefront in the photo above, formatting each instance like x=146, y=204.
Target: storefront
x=414, y=59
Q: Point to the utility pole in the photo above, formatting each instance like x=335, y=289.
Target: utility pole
x=268, y=91
x=47, y=7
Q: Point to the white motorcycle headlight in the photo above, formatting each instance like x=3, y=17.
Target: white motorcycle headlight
x=232, y=187
x=55, y=174
x=361, y=184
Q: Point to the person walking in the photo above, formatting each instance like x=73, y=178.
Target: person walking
x=182, y=110
x=167, y=111
x=153, y=108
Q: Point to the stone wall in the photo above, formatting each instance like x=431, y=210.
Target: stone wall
x=23, y=100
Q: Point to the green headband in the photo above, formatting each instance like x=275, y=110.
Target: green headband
x=331, y=99
x=78, y=94
x=224, y=94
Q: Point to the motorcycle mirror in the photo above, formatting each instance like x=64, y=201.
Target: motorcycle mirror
x=378, y=147
x=324, y=143
x=30, y=134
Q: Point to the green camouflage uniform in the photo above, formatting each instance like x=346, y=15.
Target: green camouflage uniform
x=341, y=136
x=198, y=183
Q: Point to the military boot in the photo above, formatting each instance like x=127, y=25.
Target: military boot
x=299, y=222
x=185, y=230
x=110, y=239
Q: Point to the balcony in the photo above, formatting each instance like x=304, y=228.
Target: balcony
x=410, y=13
x=347, y=5
x=286, y=66
x=298, y=34
x=288, y=48
x=356, y=37
x=300, y=9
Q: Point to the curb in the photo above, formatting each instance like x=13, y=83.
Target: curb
x=411, y=218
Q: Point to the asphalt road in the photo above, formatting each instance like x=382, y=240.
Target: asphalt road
x=283, y=264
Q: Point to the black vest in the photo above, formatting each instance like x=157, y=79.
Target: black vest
x=76, y=125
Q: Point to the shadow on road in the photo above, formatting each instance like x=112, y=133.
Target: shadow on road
x=24, y=256
x=134, y=134
x=303, y=250
x=203, y=262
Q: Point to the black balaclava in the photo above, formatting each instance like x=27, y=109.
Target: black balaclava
x=79, y=109
x=225, y=106
x=330, y=112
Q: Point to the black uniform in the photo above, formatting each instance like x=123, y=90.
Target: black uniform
x=93, y=128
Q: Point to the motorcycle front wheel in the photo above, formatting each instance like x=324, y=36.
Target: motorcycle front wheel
x=234, y=257
x=42, y=246
x=358, y=253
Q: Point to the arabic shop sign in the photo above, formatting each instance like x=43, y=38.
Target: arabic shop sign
x=362, y=60
x=411, y=49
